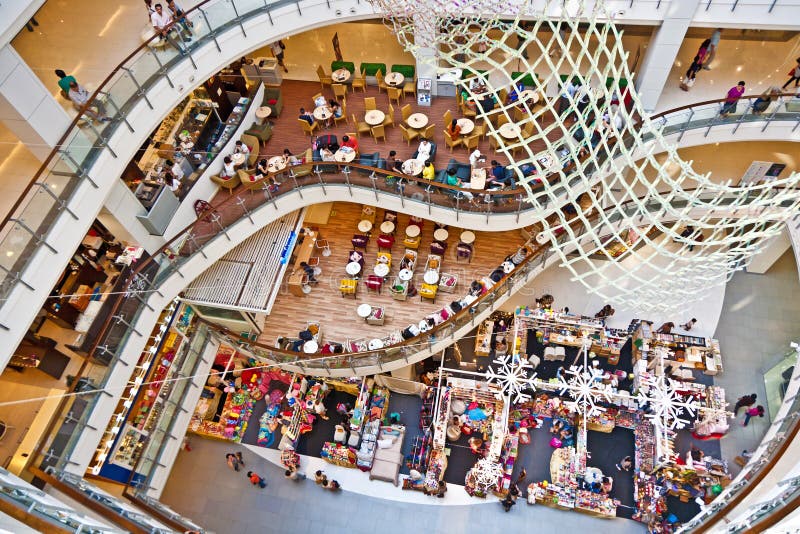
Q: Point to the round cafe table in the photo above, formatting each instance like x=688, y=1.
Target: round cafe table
x=375, y=344
x=374, y=117
x=394, y=79
x=352, y=268
x=412, y=230
x=381, y=269
x=276, y=163
x=542, y=238
x=466, y=126
x=418, y=120
x=262, y=113
x=238, y=159
x=467, y=237
x=412, y=167
x=441, y=234
x=405, y=275
x=387, y=227
x=430, y=277
x=364, y=310
x=322, y=113
x=364, y=226
x=530, y=96
x=310, y=347
x=343, y=156
x=509, y=130
x=341, y=75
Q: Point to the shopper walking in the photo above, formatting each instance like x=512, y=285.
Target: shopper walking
x=523, y=474
x=294, y=474
x=320, y=477
x=278, y=49
x=625, y=464
x=64, y=82
x=233, y=461
x=752, y=412
x=712, y=48
x=256, y=480
x=794, y=75
x=734, y=94
x=508, y=502
x=691, y=74
x=744, y=401
x=689, y=324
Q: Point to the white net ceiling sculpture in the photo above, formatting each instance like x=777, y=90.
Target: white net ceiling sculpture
x=643, y=232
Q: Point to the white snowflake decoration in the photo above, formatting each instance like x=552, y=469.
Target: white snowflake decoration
x=667, y=406
x=585, y=390
x=513, y=377
x=486, y=472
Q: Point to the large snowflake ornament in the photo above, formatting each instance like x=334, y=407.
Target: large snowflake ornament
x=667, y=406
x=513, y=376
x=486, y=472
x=585, y=390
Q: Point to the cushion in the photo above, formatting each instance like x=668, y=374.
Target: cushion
x=272, y=101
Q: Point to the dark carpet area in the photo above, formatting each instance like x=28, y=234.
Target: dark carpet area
x=606, y=450
x=535, y=457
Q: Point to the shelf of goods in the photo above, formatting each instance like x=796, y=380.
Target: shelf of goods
x=483, y=339
x=339, y=454
x=595, y=504
x=268, y=423
x=147, y=409
x=360, y=410
x=369, y=437
x=569, y=330
x=441, y=418
x=426, y=410
x=554, y=495
x=678, y=351
x=232, y=423
x=351, y=386
x=509, y=456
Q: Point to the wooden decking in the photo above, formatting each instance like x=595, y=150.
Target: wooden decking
x=337, y=314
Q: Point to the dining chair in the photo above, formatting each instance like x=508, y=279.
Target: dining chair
x=410, y=88
x=315, y=98
x=430, y=131
x=324, y=79
x=359, y=81
x=405, y=112
x=450, y=142
x=408, y=134
x=309, y=128
x=361, y=126
x=379, y=132
x=382, y=85
x=395, y=94
x=388, y=120
x=448, y=118
x=337, y=120
x=369, y=103
x=339, y=90
x=471, y=142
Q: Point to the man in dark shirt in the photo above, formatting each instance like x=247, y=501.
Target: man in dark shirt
x=498, y=173
x=306, y=116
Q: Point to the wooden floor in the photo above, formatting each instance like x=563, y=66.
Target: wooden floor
x=338, y=315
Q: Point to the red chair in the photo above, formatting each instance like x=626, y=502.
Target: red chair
x=360, y=241
x=385, y=242
x=374, y=283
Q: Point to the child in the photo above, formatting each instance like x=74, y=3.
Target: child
x=256, y=480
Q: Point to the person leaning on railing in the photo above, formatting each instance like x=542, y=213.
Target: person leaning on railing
x=80, y=97
x=761, y=103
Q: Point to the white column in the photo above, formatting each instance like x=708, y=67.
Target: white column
x=771, y=251
x=662, y=51
x=426, y=55
x=27, y=108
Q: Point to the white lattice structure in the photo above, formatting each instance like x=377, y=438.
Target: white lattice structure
x=595, y=157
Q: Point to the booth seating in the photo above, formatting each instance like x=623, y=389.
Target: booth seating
x=464, y=252
x=377, y=316
x=374, y=283
x=360, y=241
x=437, y=247
x=428, y=291
x=348, y=286
x=370, y=160
x=385, y=242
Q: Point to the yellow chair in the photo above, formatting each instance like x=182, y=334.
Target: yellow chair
x=428, y=291
x=379, y=131
x=471, y=142
x=348, y=286
x=448, y=118
x=308, y=128
x=229, y=183
x=388, y=120
x=412, y=242
x=502, y=95
x=337, y=120
x=369, y=103
x=315, y=98
x=339, y=90
x=405, y=112
x=395, y=94
x=480, y=129
x=382, y=85
x=387, y=256
x=361, y=127
x=324, y=79
x=502, y=119
x=450, y=142
x=410, y=88
x=359, y=81
x=430, y=131
x=252, y=144
x=408, y=135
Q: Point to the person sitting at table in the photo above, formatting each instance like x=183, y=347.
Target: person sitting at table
x=453, y=180
x=242, y=149
x=290, y=158
x=262, y=170
x=487, y=103
x=424, y=149
x=351, y=142
x=173, y=183
x=428, y=172
x=513, y=96
x=395, y=162
x=498, y=173
x=228, y=169
x=476, y=289
x=306, y=116
x=335, y=108
x=453, y=129
x=607, y=484
x=309, y=270
x=467, y=99
x=326, y=154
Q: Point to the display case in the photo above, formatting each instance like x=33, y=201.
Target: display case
x=424, y=89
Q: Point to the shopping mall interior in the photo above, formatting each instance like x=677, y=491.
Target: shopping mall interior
x=349, y=266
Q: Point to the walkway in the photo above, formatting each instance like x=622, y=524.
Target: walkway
x=223, y=501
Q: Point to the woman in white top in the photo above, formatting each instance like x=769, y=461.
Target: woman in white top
x=326, y=154
x=424, y=150
x=228, y=169
x=242, y=148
